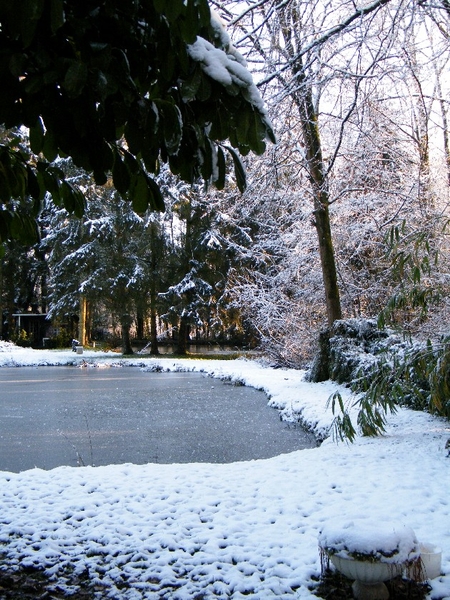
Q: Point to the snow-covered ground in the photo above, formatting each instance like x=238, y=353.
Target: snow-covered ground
x=242, y=530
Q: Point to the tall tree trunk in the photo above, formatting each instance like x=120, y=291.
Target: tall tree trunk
x=153, y=325
x=327, y=259
x=445, y=128
x=319, y=186
x=88, y=322
x=140, y=325
x=156, y=248
x=82, y=321
x=1, y=299
x=183, y=332
x=302, y=96
x=125, y=324
x=420, y=126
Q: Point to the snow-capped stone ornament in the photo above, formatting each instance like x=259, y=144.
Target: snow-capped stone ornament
x=370, y=554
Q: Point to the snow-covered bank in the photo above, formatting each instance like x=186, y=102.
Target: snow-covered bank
x=226, y=531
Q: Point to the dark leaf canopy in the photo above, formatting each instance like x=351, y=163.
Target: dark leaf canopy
x=114, y=84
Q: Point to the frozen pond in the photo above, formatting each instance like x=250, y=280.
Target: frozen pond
x=53, y=416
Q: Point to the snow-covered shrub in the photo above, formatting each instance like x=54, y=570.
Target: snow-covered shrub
x=384, y=370
x=351, y=351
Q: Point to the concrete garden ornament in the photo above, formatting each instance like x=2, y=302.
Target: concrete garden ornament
x=370, y=555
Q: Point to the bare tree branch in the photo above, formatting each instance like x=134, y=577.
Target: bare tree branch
x=359, y=14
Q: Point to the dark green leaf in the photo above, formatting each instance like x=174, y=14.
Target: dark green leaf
x=256, y=134
x=5, y=190
x=241, y=178
x=37, y=136
x=121, y=175
x=50, y=183
x=189, y=23
x=208, y=157
x=24, y=228
x=139, y=192
x=160, y=5
x=131, y=162
x=204, y=90
x=134, y=136
x=172, y=124
x=33, y=185
x=220, y=181
x=156, y=198
x=244, y=118
x=204, y=13
x=17, y=179
x=190, y=86
x=220, y=126
x=17, y=64
x=5, y=224
x=79, y=202
x=67, y=196
x=31, y=11
x=50, y=147
x=149, y=155
x=75, y=79
x=57, y=16
x=173, y=9
x=100, y=177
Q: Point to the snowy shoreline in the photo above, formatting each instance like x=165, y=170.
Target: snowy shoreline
x=225, y=531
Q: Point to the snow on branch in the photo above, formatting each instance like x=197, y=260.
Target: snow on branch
x=226, y=66
x=333, y=31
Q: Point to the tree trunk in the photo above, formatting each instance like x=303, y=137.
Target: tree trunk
x=183, y=332
x=329, y=275
x=319, y=186
x=140, y=326
x=153, y=329
x=156, y=255
x=302, y=96
x=82, y=321
x=1, y=299
x=125, y=323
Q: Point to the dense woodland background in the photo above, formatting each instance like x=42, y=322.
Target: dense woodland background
x=345, y=216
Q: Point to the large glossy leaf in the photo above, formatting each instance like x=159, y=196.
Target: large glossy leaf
x=117, y=76
x=24, y=228
x=50, y=182
x=190, y=86
x=139, y=192
x=75, y=79
x=121, y=175
x=239, y=170
x=37, y=136
x=208, y=159
x=73, y=199
x=221, y=169
x=243, y=120
x=5, y=223
x=31, y=11
x=33, y=188
x=50, y=147
x=156, y=197
x=57, y=14
x=172, y=124
x=5, y=190
x=173, y=9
